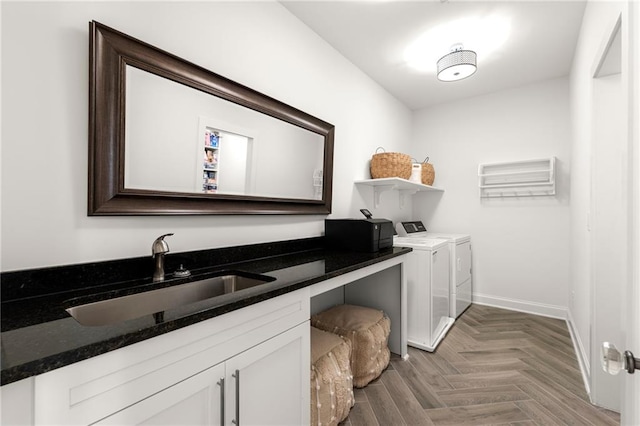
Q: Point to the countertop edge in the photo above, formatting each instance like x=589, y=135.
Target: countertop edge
x=35, y=367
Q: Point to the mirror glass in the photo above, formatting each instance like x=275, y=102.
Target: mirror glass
x=168, y=137
x=179, y=139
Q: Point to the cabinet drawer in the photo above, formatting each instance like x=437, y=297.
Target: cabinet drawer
x=90, y=390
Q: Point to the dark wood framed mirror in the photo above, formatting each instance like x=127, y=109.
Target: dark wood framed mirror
x=168, y=137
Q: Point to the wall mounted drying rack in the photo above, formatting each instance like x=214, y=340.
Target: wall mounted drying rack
x=526, y=178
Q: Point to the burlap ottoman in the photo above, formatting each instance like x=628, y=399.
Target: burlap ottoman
x=368, y=331
x=331, y=378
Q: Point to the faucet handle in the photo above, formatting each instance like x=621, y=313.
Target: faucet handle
x=160, y=245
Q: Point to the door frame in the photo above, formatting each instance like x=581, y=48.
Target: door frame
x=629, y=24
x=608, y=64
x=630, y=412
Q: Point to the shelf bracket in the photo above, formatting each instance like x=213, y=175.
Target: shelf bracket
x=405, y=193
x=377, y=190
x=402, y=193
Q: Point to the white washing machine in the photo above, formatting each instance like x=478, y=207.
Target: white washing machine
x=460, y=283
x=427, y=272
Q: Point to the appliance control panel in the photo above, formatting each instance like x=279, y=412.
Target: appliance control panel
x=405, y=229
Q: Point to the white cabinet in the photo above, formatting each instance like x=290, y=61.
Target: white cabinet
x=242, y=390
x=269, y=384
x=194, y=401
x=268, y=341
x=16, y=401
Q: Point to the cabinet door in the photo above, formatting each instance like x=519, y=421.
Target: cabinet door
x=269, y=383
x=197, y=400
x=16, y=403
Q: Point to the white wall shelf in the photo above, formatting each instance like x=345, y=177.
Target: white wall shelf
x=404, y=186
x=517, y=178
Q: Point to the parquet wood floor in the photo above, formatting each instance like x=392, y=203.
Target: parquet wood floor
x=494, y=367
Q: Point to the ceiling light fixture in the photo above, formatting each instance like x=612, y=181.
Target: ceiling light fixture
x=457, y=65
x=482, y=34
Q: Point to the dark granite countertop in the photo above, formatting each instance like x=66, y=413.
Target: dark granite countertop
x=38, y=335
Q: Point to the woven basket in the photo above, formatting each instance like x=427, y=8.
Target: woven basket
x=390, y=164
x=428, y=172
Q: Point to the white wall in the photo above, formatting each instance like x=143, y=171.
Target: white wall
x=258, y=44
x=598, y=18
x=520, y=245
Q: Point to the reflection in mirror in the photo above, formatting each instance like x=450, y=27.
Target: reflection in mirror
x=169, y=137
x=177, y=142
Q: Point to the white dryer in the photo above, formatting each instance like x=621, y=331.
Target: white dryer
x=427, y=272
x=460, y=276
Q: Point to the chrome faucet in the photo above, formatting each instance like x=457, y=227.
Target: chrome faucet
x=158, y=250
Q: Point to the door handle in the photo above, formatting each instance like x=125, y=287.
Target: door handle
x=236, y=376
x=613, y=361
x=221, y=384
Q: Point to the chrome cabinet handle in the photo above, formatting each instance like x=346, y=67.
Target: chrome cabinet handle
x=221, y=384
x=236, y=375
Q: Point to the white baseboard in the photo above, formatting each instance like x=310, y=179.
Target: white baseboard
x=552, y=311
x=581, y=353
